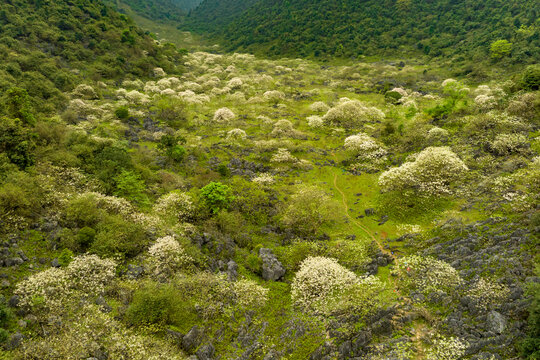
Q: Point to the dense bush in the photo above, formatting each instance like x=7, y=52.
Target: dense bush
x=216, y=196
x=308, y=209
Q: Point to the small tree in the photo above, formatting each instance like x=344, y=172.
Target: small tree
x=131, y=187
x=17, y=105
x=309, y=209
x=169, y=146
x=216, y=196
x=500, y=49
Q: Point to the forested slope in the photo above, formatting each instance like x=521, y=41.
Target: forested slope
x=49, y=47
x=352, y=28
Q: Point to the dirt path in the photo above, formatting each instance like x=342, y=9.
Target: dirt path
x=357, y=223
x=420, y=328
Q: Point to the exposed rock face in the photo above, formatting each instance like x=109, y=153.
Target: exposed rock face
x=192, y=339
x=272, y=269
x=496, y=322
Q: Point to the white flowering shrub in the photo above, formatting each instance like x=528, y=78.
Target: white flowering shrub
x=319, y=107
x=264, y=179
x=175, y=205
x=485, y=102
x=505, y=144
x=283, y=156
x=45, y=290
x=426, y=274
x=135, y=84
x=446, y=349
x=274, y=96
x=525, y=106
x=401, y=92
x=249, y=294
x=323, y=286
x=236, y=97
x=52, y=289
x=90, y=274
x=85, y=91
x=223, y=115
x=236, y=134
x=364, y=147
x=91, y=331
x=487, y=294
x=307, y=209
x=158, y=72
x=167, y=256
x=431, y=173
x=136, y=97
x=283, y=128
x=235, y=83
x=315, y=122
x=352, y=113
x=437, y=134
x=317, y=279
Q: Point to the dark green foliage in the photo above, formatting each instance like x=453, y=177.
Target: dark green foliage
x=213, y=15
x=351, y=28
x=85, y=237
x=392, y=97
x=17, y=142
x=169, y=146
x=6, y=316
x=216, y=196
x=131, y=187
x=17, y=105
x=154, y=304
x=122, y=112
x=116, y=236
x=105, y=160
x=47, y=40
x=531, y=78
x=224, y=170
x=65, y=257
x=530, y=347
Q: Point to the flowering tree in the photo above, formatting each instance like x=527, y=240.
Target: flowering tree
x=431, y=173
x=308, y=209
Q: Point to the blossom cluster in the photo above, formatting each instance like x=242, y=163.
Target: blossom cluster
x=426, y=274
x=431, y=173
x=49, y=290
x=167, y=256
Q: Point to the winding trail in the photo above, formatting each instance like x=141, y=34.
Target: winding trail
x=357, y=223
x=420, y=328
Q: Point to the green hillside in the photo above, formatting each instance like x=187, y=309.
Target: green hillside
x=49, y=47
x=373, y=27
x=214, y=15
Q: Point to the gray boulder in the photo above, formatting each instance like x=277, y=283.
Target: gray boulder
x=496, y=322
x=272, y=269
x=192, y=339
x=206, y=352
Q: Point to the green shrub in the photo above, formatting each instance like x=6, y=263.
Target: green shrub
x=169, y=146
x=131, y=187
x=85, y=237
x=161, y=305
x=17, y=142
x=500, y=49
x=17, y=105
x=216, y=196
x=122, y=112
x=223, y=170
x=83, y=211
x=116, y=236
x=531, y=78
x=65, y=257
